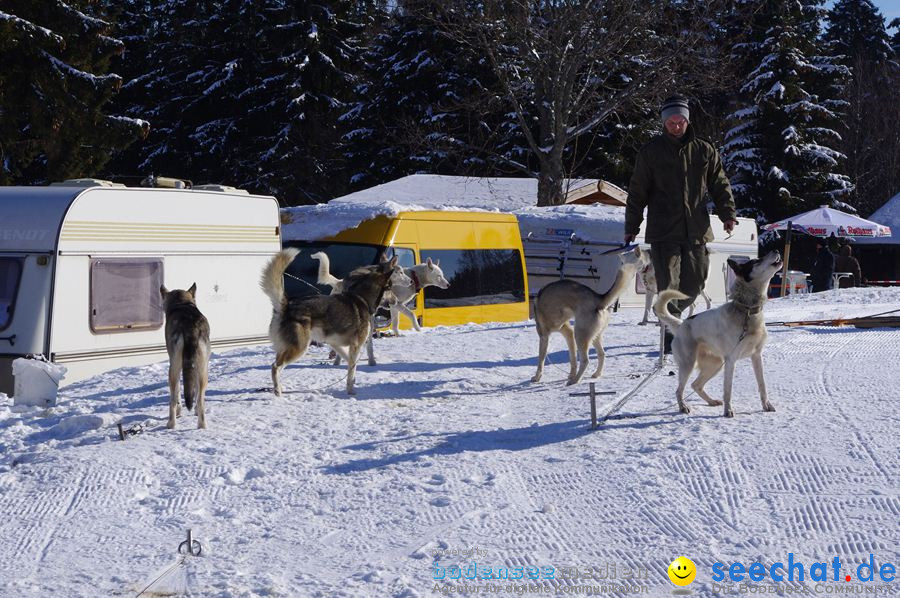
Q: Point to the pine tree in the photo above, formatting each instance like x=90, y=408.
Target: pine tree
x=243, y=93
x=856, y=34
x=54, y=91
x=423, y=105
x=780, y=149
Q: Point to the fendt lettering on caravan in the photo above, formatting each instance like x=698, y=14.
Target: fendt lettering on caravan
x=81, y=264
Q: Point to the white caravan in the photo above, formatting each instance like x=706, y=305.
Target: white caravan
x=81, y=267
x=579, y=242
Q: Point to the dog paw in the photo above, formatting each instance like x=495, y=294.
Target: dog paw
x=715, y=403
x=729, y=413
x=171, y=424
x=684, y=409
x=642, y=323
x=536, y=378
x=769, y=407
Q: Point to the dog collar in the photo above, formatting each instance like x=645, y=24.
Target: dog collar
x=415, y=279
x=751, y=310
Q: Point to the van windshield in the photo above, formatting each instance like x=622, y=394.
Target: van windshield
x=10, y=273
x=343, y=258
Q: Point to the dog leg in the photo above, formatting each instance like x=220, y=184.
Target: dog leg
x=174, y=392
x=685, y=354
x=543, y=340
x=409, y=314
x=756, y=360
x=582, y=342
x=395, y=319
x=352, y=356
x=282, y=359
x=370, y=349
x=648, y=305
x=601, y=355
x=709, y=367
x=201, y=399
x=729, y=380
x=569, y=335
x=707, y=299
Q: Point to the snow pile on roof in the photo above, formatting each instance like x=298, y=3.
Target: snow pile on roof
x=888, y=215
x=598, y=222
x=436, y=191
x=309, y=223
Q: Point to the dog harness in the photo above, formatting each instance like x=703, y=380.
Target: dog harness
x=415, y=279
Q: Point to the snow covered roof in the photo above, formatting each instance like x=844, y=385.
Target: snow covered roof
x=435, y=191
x=888, y=215
x=594, y=223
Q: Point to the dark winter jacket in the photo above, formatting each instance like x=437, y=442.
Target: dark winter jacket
x=822, y=270
x=671, y=178
x=845, y=262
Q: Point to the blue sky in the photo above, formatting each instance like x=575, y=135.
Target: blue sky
x=889, y=8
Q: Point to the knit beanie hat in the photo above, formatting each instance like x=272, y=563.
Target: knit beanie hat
x=675, y=105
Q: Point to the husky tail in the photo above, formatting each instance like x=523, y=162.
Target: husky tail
x=661, y=308
x=325, y=276
x=272, y=280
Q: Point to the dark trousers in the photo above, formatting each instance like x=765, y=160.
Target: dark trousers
x=681, y=267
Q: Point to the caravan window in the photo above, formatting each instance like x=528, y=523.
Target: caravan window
x=10, y=273
x=301, y=276
x=125, y=294
x=477, y=277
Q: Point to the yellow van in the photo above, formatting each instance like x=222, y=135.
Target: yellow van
x=480, y=254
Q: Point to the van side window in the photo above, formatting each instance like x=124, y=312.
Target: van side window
x=10, y=273
x=406, y=257
x=477, y=277
x=125, y=294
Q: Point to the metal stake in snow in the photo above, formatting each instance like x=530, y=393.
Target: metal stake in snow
x=190, y=546
x=592, y=388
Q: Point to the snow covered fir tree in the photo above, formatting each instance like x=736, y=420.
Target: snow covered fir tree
x=782, y=146
x=55, y=88
x=238, y=92
x=856, y=34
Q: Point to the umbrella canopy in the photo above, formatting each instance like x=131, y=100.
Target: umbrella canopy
x=825, y=221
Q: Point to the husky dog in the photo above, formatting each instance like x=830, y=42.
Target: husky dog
x=187, y=341
x=341, y=321
x=398, y=279
x=559, y=301
x=723, y=335
x=648, y=278
x=406, y=283
x=419, y=276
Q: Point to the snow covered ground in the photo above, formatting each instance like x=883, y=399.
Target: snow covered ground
x=449, y=456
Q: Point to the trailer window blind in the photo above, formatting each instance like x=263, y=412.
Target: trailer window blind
x=125, y=294
x=10, y=274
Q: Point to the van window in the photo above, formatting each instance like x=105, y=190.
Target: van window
x=125, y=294
x=10, y=274
x=477, y=277
x=301, y=276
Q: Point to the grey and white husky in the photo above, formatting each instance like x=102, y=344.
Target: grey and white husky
x=560, y=301
x=407, y=282
x=342, y=320
x=187, y=341
x=721, y=336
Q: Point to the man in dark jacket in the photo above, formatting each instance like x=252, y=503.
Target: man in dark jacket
x=845, y=262
x=823, y=268
x=672, y=175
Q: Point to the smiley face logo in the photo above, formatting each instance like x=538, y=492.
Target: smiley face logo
x=682, y=571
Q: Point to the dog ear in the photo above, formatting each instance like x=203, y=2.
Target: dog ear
x=428, y=261
x=637, y=252
x=193, y=290
x=437, y=263
x=734, y=266
x=163, y=291
x=393, y=262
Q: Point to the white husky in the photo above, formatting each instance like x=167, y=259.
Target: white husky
x=405, y=285
x=723, y=335
x=648, y=278
x=560, y=301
